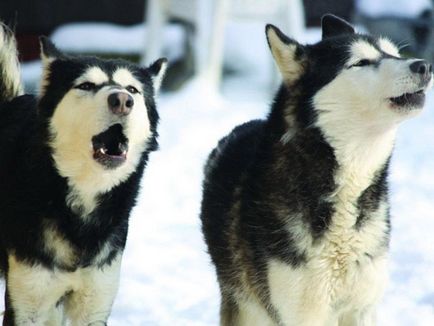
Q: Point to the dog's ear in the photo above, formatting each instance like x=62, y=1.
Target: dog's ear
x=49, y=52
x=288, y=54
x=334, y=26
x=157, y=71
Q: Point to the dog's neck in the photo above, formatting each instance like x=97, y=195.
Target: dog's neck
x=359, y=155
x=359, y=164
x=359, y=145
x=360, y=152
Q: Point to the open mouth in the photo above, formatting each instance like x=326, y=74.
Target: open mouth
x=409, y=100
x=110, y=147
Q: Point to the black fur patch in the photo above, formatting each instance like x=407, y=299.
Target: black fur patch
x=371, y=198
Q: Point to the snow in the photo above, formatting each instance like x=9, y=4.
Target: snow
x=167, y=278
x=109, y=38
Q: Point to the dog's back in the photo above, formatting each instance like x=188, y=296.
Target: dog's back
x=224, y=170
x=16, y=112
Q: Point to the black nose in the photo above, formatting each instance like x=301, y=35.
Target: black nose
x=421, y=67
x=120, y=103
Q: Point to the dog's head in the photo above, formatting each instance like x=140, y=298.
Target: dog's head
x=100, y=115
x=349, y=80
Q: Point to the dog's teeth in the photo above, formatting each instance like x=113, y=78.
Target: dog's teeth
x=124, y=152
x=102, y=150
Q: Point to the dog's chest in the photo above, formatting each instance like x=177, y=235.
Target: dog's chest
x=349, y=258
x=345, y=268
x=66, y=255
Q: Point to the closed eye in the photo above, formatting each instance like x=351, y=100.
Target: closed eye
x=362, y=63
x=86, y=86
x=132, y=89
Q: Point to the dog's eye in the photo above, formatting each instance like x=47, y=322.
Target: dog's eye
x=132, y=89
x=86, y=86
x=362, y=63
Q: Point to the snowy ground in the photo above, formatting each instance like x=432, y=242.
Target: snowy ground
x=166, y=275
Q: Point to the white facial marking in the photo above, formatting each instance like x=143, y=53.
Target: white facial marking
x=124, y=78
x=388, y=47
x=363, y=50
x=94, y=75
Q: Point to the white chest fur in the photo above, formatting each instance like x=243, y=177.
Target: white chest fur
x=345, y=270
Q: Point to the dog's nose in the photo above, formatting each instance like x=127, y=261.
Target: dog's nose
x=421, y=67
x=120, y=103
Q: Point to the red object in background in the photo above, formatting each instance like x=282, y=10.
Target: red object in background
x=28, y=46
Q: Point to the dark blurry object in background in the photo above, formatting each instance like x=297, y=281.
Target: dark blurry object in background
x=407, y=23
x=382, y=17
x=315, y=9
x=41, y=17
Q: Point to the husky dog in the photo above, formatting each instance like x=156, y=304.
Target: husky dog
x=295, y=210
x=70, y=167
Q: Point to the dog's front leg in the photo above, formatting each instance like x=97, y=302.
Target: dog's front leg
x=365, y=317
x=297, y=300
x=91, y=303
x=31, y=293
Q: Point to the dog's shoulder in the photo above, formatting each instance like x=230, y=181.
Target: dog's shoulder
x=236, y=150
x=18, y=111
x=17, y=121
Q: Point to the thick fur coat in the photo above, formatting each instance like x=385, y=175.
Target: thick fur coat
x=295, y=207
x=71, y=163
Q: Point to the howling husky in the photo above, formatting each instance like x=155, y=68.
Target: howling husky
x=70, y=167
x=295, y=207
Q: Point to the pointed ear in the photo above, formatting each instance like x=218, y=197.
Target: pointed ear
x=49, y=52
x=157, y=71
x=287, y=53
x=334, y=26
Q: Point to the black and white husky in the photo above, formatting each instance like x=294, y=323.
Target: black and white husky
x=71, y=160
x=295, y=210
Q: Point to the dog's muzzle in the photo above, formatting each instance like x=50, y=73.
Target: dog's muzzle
x=423, y=72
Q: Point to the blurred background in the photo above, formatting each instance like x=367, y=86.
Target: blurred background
x=201, y=36
x=222, y=74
